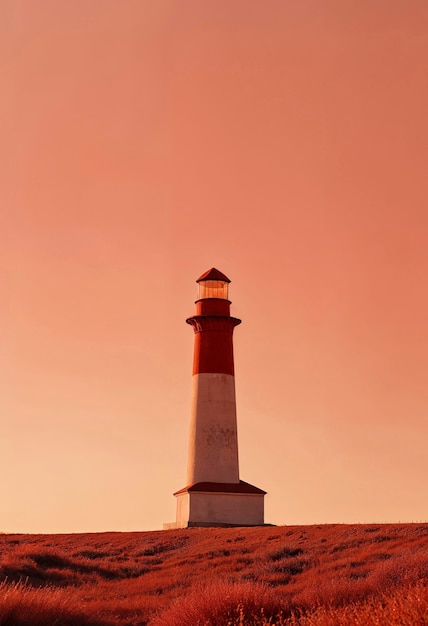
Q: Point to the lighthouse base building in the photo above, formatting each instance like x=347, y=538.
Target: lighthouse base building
x=219, y=504
x=215, y=495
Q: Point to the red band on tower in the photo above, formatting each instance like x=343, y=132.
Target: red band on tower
x=213, y=352
x=213, y=326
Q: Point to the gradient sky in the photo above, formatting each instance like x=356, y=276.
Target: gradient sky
x=145, y=141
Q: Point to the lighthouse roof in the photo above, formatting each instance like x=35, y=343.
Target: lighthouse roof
x=205, y=487
x=213, y=274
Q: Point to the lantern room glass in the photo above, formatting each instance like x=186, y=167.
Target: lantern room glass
x=213, y=289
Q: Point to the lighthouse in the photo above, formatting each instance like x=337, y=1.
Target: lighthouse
x=214, y=494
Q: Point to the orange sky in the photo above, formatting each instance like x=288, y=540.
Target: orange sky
x=145, y=141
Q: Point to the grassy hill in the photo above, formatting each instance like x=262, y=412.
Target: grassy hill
x=298, y=575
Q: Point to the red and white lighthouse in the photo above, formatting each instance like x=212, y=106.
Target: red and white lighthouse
x=214, y=495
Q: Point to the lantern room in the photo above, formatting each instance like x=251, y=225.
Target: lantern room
x=213, y=292
x=213, y=284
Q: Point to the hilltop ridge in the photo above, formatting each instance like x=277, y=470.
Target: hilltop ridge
x=128, y=578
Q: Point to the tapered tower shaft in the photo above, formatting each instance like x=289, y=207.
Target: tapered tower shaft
x=213, y=439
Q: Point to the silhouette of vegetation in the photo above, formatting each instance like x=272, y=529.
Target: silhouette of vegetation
x=309, y=575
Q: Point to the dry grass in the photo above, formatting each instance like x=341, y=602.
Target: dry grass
x=404, y=606
x=129, y=579
x=222, y=603
x=23, y=605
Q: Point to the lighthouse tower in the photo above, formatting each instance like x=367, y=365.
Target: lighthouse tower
x=215, y=495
